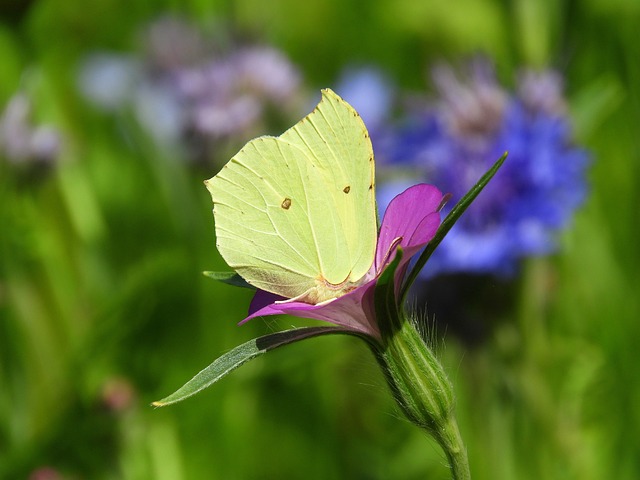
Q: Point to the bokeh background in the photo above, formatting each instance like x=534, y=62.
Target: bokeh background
x=114, y=113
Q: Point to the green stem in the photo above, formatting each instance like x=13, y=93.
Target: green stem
x=451, y=443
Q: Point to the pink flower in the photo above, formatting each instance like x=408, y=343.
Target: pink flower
x=410, y=222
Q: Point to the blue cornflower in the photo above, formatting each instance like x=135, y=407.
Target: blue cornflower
x=450, y=143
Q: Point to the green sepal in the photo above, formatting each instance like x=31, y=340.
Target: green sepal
x=422, y=390
x=240, y=355
x=448, y=222
x=386, y=303
x=230, y=278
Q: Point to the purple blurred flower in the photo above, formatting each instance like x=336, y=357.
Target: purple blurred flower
x=410, y=222
x=118, y=394
x=187, y=91
x=23, y=144
x=45, y=473
x=226, y=96
x=452, y=143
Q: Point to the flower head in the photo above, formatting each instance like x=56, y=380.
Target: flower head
x=409, y=223
x=452, y=142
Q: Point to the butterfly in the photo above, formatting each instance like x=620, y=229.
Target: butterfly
x=295, y=215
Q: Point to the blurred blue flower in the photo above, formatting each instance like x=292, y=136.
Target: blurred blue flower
x=190, y=91
x=108, y=79
x=451, y=142
x=369, y=91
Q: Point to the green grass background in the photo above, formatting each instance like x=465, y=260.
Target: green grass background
x=100, y=265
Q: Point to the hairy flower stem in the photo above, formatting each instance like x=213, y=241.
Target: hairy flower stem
x=451, y=442
x=423, y=391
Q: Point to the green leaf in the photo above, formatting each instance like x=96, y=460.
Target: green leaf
x=230, y=278
x=449, y=221
x=240, y=355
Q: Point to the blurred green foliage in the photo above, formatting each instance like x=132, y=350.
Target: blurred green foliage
x=103, y=308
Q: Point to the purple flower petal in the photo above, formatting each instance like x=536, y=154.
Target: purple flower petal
x=354, y=310
x=262, y=299
x=412, y=216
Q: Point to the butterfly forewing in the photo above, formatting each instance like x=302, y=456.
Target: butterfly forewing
x=338, y=144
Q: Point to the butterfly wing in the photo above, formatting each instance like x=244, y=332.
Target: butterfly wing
x=339, y=146
x=295, y=214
